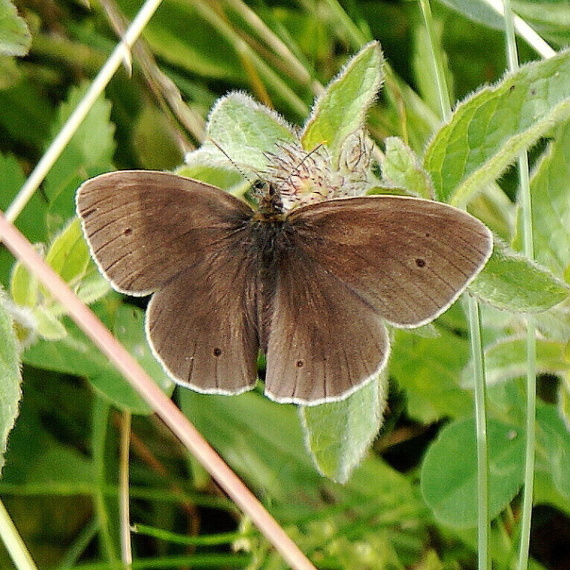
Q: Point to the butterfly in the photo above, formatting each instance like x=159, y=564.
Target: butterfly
x=312, y=288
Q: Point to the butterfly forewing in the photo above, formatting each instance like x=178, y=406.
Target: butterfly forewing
x=407, y=258
x=145, y=227
x=153, y=231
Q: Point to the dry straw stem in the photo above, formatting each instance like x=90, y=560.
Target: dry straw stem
x=122, y=53
x=524, y=31
x=157, y=400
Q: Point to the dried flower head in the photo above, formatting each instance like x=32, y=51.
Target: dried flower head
x=304, y=177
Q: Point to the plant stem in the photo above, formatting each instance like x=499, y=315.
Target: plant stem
x=523, y=29
x=13, y=542
x=124, y=511
x=483, y=522
x=483, y=526
x=526, y=212
x=442, y=90
x=101, y=411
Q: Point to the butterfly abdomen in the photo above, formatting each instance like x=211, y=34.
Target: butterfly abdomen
x=270, y=237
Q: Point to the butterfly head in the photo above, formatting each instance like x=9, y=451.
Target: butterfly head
x=270, y=204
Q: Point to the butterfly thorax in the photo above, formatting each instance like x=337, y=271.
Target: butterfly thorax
x=270, y=236
x=269, y=226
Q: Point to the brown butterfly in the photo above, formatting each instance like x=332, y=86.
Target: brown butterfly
x=311, y=288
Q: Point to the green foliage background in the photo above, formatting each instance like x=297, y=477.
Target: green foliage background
x=411, y=501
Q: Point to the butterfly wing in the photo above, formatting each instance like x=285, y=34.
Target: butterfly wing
x=324, y=341
x=203, y=325
x=144, y=227
x=357, y=262
x=154, y=231
x=408, y=258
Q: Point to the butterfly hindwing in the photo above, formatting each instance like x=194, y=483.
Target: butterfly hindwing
x=324, y=340
x=203, y=327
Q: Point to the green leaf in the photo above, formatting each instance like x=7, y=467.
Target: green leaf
x=549, y=18
x=244, y=129
x=488, y=130
x=10, y=377
x=26, y=113
x=507, y=359
x=93, y=286
x=68, y=254
x=261, y=439
x=15, y=38
x=338, y=434
x=551, y=205
x=24, y=286
x=89, y=152
x=555, y=322
x=77, y=266
x=478, y=11
x=47, y=324
x=75, y=354
x=428, y=369
x=401, y=167
x=32, y=221
x=154, y=139
x=130, y=332
x=553, y=439
x=62, y=467
x=10, y=73
x=341, y=109
x=511, y=282
x=220, y=176
x=449, y=471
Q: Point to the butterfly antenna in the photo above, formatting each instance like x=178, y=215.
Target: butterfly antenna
x=231, y=160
